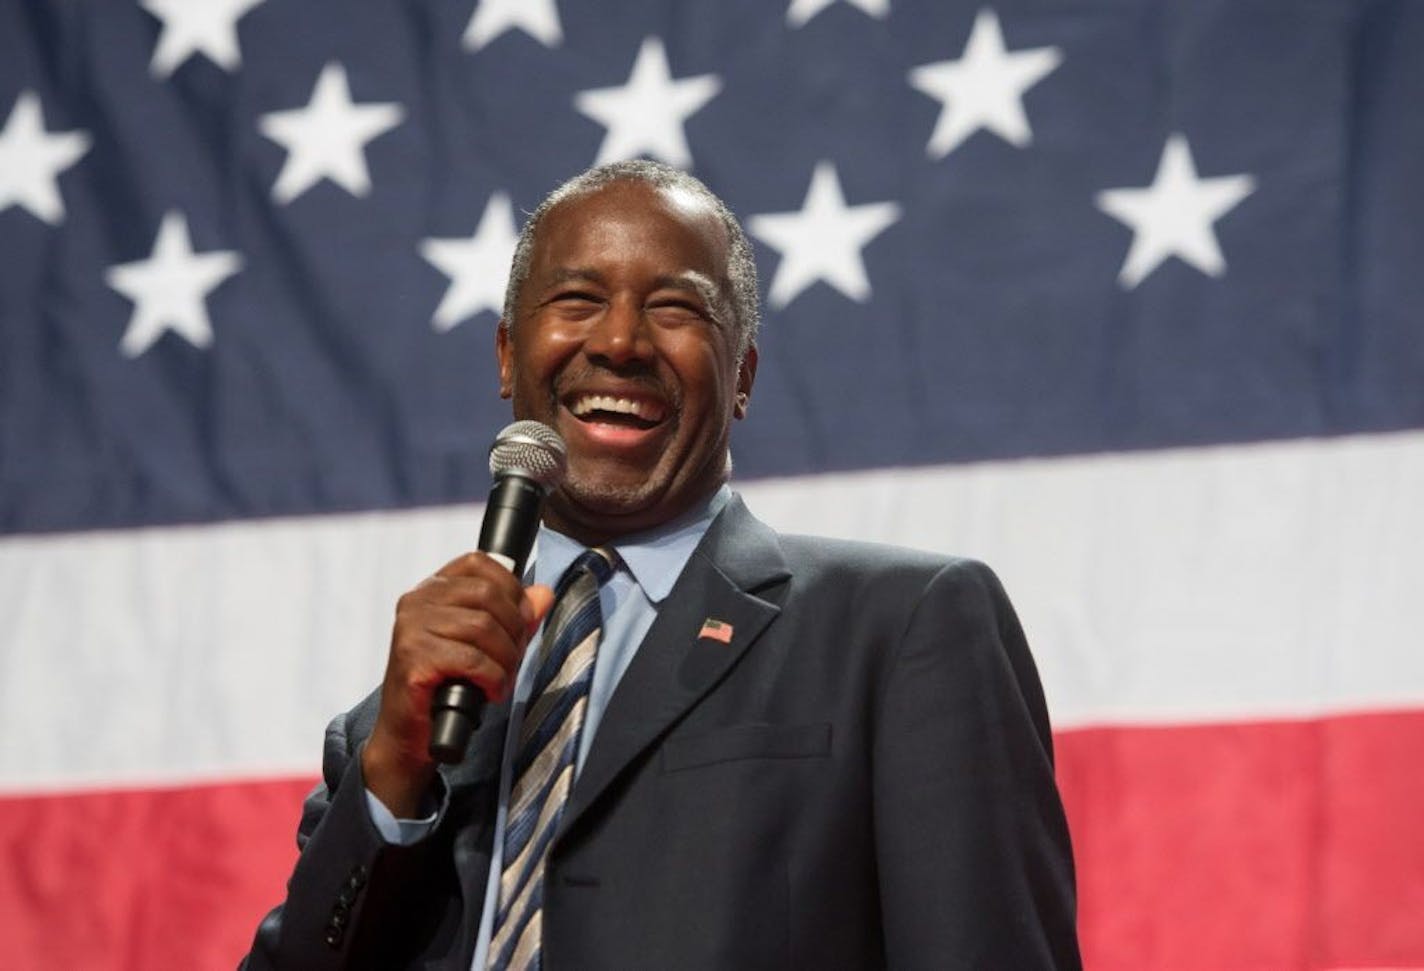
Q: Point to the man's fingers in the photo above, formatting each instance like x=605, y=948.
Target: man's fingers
x=469, y=620
x=499, y=598
x=479, y=629
x=447, y=659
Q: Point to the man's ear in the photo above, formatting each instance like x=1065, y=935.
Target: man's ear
x=746, y=375
x=504, y=351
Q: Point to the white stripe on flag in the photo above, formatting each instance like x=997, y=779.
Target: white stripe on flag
x=1244, y=582
x=1229, y=583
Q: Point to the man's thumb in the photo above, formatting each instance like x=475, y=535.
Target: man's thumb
x=540, y=598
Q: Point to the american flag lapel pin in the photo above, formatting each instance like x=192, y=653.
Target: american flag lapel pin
x=716, y=630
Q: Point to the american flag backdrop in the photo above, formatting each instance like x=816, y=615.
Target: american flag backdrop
x=1121, y=296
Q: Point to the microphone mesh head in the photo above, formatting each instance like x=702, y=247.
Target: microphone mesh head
x=531, y=450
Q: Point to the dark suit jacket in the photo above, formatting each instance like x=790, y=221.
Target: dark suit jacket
x=862, y=778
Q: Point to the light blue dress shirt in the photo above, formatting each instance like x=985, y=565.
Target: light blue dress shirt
x=651, y=564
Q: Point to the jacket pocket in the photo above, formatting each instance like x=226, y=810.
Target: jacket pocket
x=737, y=742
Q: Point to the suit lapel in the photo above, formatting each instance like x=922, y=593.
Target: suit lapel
x=674, y=666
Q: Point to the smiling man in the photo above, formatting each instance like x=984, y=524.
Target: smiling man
x=624, y=337
x=723, y=747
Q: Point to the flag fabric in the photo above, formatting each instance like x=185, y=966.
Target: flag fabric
x=1120, y=296
x=715, y=630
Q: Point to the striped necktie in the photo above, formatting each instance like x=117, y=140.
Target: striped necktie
x=544, y=759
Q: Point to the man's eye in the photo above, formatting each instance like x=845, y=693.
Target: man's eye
x=677, y=310
x=576, y=303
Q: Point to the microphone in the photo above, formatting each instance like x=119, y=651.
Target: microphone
x=527, y=460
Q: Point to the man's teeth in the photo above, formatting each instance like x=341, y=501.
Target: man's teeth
x=589, y=403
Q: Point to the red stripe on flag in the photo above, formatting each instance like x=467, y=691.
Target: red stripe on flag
x=1276, y=846
x=1263, y=846
x=169, y=878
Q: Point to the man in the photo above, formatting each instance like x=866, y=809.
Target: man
x=789, y=753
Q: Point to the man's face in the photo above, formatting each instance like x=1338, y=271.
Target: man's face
x=624, y=343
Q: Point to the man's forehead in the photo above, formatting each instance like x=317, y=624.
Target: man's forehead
x=634, y=196
x=634, y=210
x=688, y=279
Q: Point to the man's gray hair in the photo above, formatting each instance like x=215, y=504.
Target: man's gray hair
x=741, y=267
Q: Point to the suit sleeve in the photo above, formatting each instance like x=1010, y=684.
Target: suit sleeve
x=348, y=881
x=975, y=865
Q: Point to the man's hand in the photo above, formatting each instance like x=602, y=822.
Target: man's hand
x=471, y=620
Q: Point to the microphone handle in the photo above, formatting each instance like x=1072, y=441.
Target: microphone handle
x=507, y=534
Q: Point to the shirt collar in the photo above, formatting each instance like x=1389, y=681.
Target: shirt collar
x=655, y=557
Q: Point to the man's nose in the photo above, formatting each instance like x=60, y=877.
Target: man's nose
x=620, y=334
